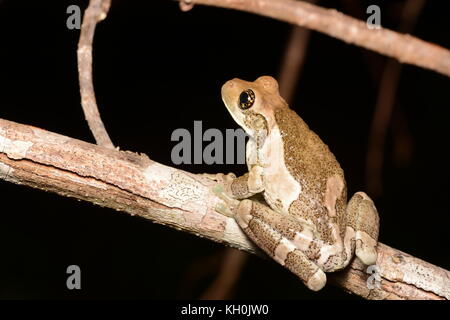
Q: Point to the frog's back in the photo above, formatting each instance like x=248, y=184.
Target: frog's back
x=310, y=161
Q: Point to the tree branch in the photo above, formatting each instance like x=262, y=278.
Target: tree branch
x=403, y=47
x=134, y=184
x=95, y=12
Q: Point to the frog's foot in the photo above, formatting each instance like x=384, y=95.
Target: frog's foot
x=223, y=180
x=225, y=210
x=229, y=204
x=362, y=216
x=265, y=227
x=220, y=177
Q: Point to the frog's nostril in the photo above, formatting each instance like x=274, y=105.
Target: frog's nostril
x=229, y=84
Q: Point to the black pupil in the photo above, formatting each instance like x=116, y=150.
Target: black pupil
x=244, y=98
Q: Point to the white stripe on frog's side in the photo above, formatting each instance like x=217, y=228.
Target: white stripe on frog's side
x=281, y=189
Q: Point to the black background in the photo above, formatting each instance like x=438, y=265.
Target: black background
x=157, y=69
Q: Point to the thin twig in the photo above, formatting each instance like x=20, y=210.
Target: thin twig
x=133, y=183
x=95, y=12
x=403, y=47
x=292, y=63
x=385, y=104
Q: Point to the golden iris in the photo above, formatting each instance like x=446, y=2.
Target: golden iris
x=246, y=99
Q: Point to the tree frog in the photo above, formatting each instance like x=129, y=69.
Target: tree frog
x=308, y=226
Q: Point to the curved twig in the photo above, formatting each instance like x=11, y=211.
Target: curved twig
x=95, y=12
x=292, y=63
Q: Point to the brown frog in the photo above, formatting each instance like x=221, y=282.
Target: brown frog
x=309, y=227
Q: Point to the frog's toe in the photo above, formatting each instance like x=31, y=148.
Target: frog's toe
x=224, y=210
x=220, y=192
x=218, y=189
x=219, y=177
x=317, y=281
x=210, y=176
x=366, y=248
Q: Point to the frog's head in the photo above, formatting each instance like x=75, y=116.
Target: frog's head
x=253, y=104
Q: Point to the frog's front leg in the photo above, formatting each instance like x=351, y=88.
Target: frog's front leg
x=229, y=188
x=241, y=187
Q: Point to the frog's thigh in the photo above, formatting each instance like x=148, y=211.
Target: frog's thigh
x=362, y=216
x=249, y=215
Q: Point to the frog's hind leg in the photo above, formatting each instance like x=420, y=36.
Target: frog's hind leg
x=263, y=226
x=362, y=217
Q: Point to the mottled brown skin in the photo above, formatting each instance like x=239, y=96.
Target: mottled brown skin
x=311, y=162
x=308, y=228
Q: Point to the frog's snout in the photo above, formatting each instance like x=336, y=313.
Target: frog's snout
x=229, y=85
x=228, y=91
x=233, y=87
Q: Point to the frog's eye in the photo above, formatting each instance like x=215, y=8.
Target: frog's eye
x=246, y=99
